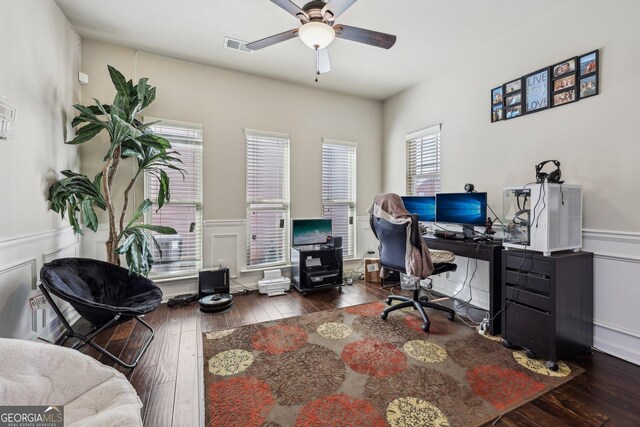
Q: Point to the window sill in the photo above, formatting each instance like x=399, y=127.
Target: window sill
x=175, y=277
x=262, y=269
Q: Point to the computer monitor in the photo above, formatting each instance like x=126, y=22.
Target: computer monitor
x=310, y=231
x=462, y=208
x=423, y=206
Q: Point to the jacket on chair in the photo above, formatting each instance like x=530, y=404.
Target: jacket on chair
x=418, y=263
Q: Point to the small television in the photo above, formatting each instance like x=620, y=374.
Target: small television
x=310, y=231
x=423, y=206
x=467, y=209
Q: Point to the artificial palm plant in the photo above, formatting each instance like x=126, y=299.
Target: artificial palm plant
x=77, y=196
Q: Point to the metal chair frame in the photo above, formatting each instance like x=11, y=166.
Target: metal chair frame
x=88, y=339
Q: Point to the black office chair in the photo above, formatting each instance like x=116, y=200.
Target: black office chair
x=393, y=238
x=102, y=293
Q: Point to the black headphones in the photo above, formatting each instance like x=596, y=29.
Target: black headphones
x=553, y=176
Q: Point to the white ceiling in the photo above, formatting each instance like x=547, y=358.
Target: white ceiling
x=432, y=35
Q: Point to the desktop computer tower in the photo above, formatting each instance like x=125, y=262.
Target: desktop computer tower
x=543, y=217
x=214, y=281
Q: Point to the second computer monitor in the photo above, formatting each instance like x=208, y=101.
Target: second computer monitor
x=462, y=208
x=423, y=206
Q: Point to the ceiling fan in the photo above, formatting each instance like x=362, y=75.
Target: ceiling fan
x=319, y=29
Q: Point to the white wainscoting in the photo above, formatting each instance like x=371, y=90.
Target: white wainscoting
x=225, y=242
x=21, y=258
x=53, y=327
x=616, y=292
x=365, y=239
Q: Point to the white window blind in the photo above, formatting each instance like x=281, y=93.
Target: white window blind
x=267, y=198
x=423, y=162
x=339, y=191
x=181, y=252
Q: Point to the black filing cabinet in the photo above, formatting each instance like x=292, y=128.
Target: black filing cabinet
x=548, y=303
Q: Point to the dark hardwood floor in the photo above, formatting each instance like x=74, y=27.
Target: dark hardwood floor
x=170, y=385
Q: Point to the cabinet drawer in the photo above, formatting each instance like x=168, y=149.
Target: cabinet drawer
x=528, y=328
x=522, y=296
x=512, y=262
x=537, y=284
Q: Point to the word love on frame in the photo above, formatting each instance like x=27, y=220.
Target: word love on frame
x=563, y=83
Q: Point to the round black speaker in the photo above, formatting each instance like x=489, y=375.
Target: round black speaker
x=215, y=303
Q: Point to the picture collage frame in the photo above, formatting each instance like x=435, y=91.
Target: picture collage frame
x=560, y=84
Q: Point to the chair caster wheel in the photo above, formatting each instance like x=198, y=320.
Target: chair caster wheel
x=451, y=317
x=551, y=365
x=425, y=327
x=530, y=354
x=383, y=316
x=388, y=301
x=507, y=344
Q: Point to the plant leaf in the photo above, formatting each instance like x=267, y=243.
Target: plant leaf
x=89, y=215
x=157, y=228
x=118, y=80
x=88, y=115
x=86, y=133
x=131, y=153
x=142, y=208
x=164, y=194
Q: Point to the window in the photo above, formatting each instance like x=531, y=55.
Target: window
x=267, y=198
x=339, y=190
x=181, y=252
x=423, y=162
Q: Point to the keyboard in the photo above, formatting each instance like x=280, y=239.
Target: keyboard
x=451, y=235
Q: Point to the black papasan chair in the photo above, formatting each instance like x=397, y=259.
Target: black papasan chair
x=104, y=294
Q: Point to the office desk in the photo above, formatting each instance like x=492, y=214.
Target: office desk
x=485, y=251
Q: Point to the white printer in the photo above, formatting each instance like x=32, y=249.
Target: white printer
x=273, y=283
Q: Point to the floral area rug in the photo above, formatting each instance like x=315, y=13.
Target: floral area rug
x=348, y=367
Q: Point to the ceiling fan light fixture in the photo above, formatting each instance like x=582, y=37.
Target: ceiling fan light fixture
x=316, y=35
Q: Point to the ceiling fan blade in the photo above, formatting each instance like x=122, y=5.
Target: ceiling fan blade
x=324, y=63
x=361, y=35
x=290, y=7
x=268, y=41
x=337, y=7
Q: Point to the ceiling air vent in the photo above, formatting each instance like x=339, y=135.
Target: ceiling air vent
x=234, y=44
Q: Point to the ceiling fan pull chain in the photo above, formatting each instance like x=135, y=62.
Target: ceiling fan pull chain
x=317, y=56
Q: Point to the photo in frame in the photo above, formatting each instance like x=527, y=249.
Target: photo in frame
x=564, y=97
x=564, y=67
x=514, y=99
x=513, y=112
x=513, y=86
x=497, y=112
x=536, y=91
x=496, y=96
x=564, y=82
x=589, y=63
x=588, y=86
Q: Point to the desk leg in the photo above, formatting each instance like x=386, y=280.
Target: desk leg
x=495, y=291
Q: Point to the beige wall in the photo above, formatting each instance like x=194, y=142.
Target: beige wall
x=596, y=139
x=226, y=103
x=38, y=74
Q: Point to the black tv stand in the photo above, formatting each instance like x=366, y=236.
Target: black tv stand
x=324, y=269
